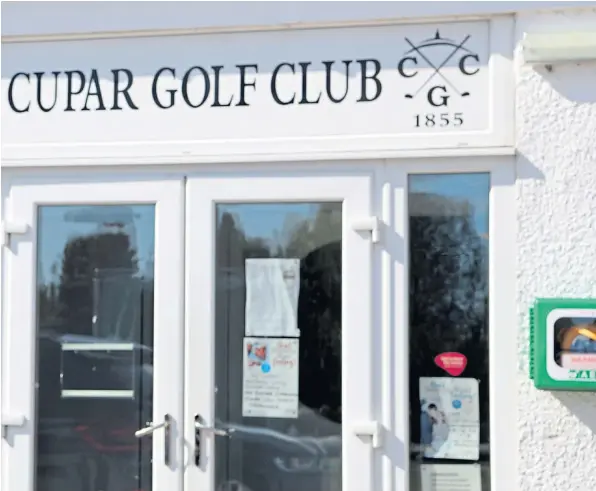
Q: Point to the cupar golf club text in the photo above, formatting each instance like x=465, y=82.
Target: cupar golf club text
x=199, y=86
x=194, y=87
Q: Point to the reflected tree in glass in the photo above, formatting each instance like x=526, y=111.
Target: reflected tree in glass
x=448, y=292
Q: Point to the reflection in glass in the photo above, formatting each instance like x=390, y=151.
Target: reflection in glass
x=284, y=452
x=95, y=347
x=448, y=230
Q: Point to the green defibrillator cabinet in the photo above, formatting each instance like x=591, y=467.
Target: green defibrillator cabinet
x=563, y=344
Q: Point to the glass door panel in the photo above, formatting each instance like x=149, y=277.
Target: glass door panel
x=101, y=315
x=278, y=277
x=269, y=404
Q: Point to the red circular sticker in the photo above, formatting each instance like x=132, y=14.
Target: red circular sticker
x=453, y=363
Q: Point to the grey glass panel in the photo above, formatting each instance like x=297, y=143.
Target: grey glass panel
x=94, y=347
x=448, y=229
x=288, y=453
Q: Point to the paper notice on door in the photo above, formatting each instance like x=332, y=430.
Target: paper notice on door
x=450, y=418
x=272, y=288
x=270, y=378
x=450, y=477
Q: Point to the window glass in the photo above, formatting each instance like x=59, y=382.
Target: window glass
x=94, y=347
x=448, y=323
x=278, y=330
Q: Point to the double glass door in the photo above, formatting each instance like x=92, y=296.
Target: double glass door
x=205, y=332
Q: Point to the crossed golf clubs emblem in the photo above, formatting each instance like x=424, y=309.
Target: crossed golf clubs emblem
x=438, y=41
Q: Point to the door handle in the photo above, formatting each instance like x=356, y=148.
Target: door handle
x=151, y=428
x=200, y=427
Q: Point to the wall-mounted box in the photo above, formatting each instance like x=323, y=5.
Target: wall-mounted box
x=563, y=344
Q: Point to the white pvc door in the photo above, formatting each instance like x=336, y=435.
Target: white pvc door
x=278, y=318
x=93, y=335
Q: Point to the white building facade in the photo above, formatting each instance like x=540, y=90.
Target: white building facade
x=288, y=246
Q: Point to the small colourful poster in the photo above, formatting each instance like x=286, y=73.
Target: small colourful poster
x=270, y=378
x=449, y=418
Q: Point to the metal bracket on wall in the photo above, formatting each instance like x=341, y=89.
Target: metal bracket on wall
x=12, y=228
x=368, y=224
x=11, y=420
x=372, y=429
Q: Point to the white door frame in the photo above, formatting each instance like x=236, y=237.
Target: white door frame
x=19, y=343
x=503, y=327
x=389, y=285
x=203, y=193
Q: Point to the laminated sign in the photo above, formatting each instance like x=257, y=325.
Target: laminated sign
x=270, y=378
x=449, y=418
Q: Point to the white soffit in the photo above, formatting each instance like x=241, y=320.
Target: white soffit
x=559, y=47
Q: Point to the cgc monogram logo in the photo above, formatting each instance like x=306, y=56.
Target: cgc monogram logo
x=437, y=54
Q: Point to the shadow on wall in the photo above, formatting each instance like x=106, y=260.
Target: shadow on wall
x=527, y=170
x=574, y=82
x=580, y=404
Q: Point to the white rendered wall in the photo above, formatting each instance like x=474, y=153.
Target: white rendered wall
x=556, y=232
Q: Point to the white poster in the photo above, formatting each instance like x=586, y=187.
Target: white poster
x=272, y=288
x=449, y=418
x=450, y=477
x=270, y=378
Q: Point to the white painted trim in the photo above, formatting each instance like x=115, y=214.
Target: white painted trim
x=396, y=262
x=503, y=327
x=284, y=26
x=177, y=155
x=502, y=83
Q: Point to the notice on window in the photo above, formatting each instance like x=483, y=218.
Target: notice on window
x=272, y=288
x=450, y=477
x=270, y=378
x=449, y=418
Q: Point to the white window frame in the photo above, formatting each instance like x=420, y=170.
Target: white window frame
x=268, y=184
x=389, y=290
x=24, y=193
x=503, y=364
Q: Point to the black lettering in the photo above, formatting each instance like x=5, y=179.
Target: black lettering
x=123, y=91
x=94, y=89
x=364, y=79
x=401, y=69
x=462, y=64
x=69, y=87
x=11, y=102
x=274, y=93
x=328, y=66
x=244, y=83
x=171, y=92
x=216, y=79
x=304, y=99
x=442, y=99
x=39, y=76
x=206, y=90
